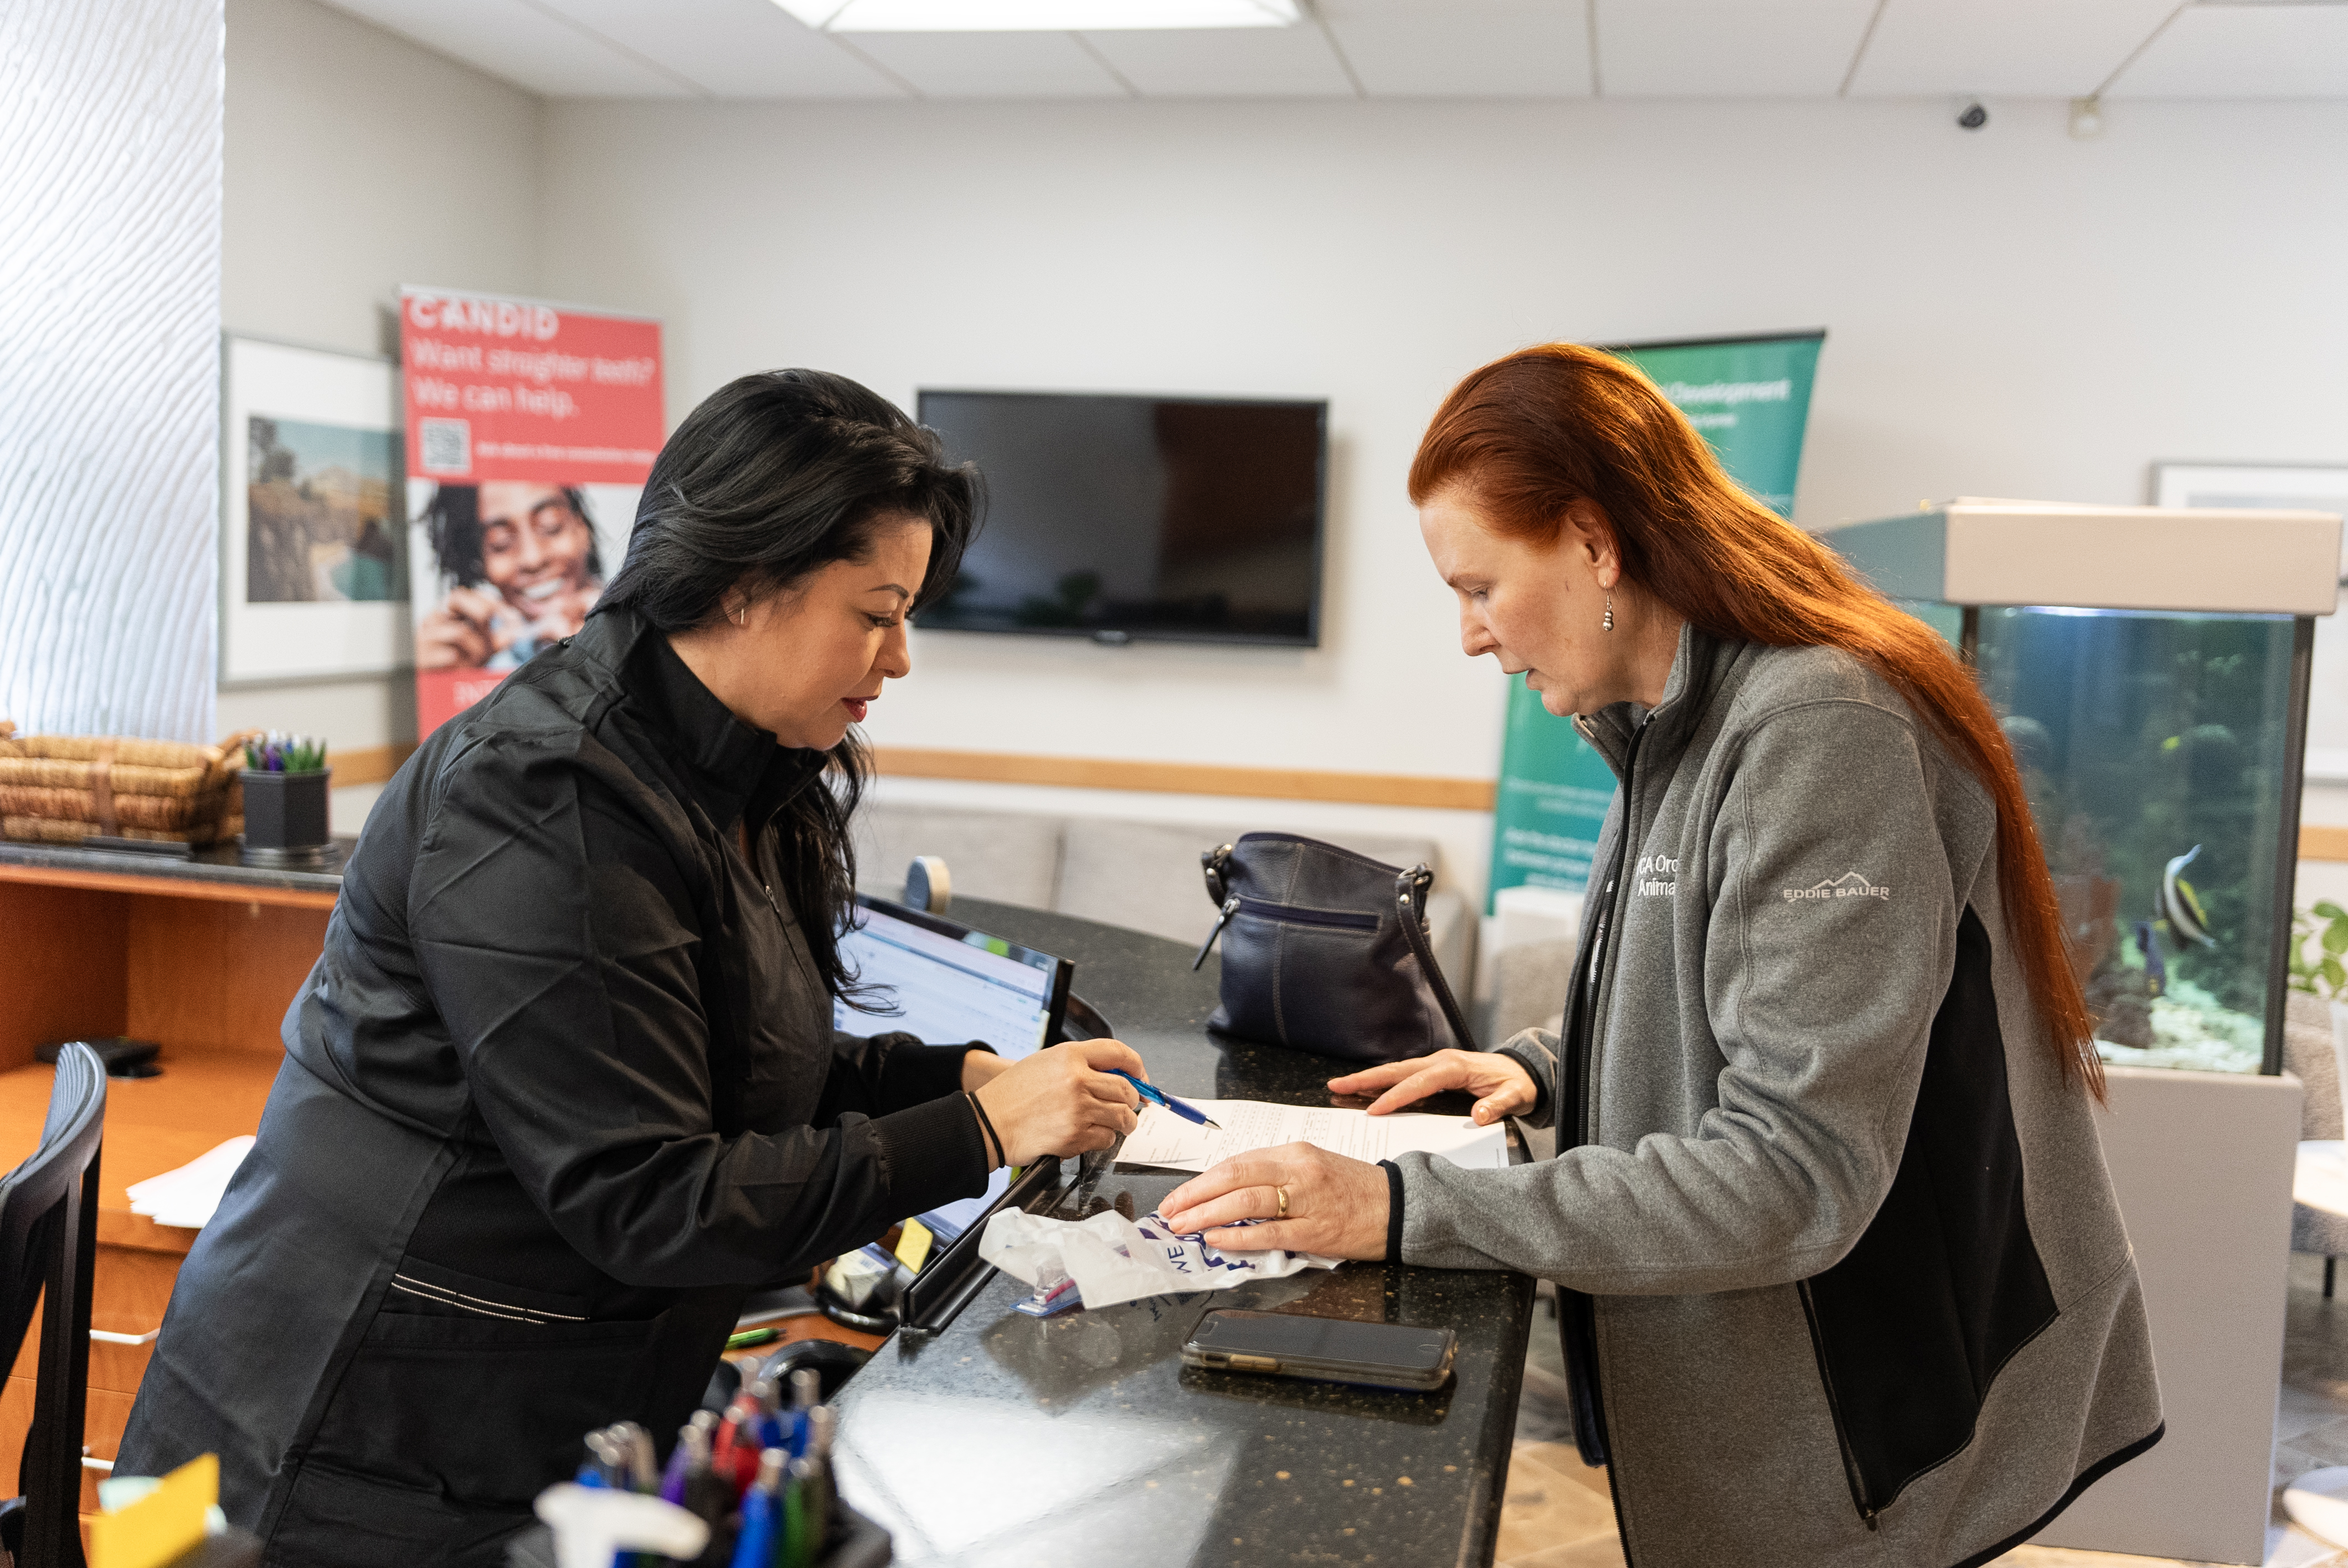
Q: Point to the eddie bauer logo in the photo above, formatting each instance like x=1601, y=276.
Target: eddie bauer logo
x=1850, y=885
x=1658, y=875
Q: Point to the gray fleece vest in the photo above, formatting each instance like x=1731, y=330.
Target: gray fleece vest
x=1844, y=1280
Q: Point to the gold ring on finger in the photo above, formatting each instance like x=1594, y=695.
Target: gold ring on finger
x=1282, y=1194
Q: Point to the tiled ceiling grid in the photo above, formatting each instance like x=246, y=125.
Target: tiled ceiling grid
x=1420, y=48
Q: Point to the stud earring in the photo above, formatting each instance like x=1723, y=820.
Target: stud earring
x=1608, y=624
x=744, y=609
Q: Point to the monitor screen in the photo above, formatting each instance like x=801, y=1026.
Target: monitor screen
x=1122, y=518
x=947, y=983
x=950, y=985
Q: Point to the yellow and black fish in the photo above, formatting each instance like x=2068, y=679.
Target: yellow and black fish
x=2179, y=905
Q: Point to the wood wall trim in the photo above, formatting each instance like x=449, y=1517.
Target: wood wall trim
x=2315, y=841
x=369, y=765
x=170, y=886
x=1187, y=778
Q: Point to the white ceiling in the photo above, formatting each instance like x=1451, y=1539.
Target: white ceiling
x=1417, y=48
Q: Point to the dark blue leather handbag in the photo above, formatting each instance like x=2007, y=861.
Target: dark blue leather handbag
x=1326, y=950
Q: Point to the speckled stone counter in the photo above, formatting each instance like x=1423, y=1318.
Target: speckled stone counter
x=1082, y=1439
x=218, y=863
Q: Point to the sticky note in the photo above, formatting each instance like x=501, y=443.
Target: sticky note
x=164, y=1524
x=913, y=1247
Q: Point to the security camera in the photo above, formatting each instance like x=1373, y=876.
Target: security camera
x=1972, y=115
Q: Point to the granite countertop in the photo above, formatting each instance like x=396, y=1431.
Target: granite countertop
x=1082, y=1439
x=219, y=863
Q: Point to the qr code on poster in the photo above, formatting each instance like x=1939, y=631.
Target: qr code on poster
x=447, y=446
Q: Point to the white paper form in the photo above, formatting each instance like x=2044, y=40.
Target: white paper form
x=1166, y=1139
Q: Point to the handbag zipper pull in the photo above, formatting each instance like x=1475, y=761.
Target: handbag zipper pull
x=1214, y=862
x=1231, y=907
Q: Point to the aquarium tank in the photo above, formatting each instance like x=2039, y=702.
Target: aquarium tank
x=2151, y=668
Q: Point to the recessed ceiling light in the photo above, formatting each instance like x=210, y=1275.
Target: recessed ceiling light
x=1035, y=16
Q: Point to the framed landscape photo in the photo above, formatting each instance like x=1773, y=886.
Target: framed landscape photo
x=314, y=570
x=2304, y=486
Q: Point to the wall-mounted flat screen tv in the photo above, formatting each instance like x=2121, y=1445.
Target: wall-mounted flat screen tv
x=1122, y=518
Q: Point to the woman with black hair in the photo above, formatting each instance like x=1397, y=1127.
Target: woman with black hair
x=564, y=1086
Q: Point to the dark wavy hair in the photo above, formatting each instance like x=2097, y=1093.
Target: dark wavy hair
x=774, y=476
x=452, y=520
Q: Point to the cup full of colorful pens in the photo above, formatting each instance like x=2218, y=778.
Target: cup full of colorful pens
x=285, y=780
x=751, y=1487
x=281, y=752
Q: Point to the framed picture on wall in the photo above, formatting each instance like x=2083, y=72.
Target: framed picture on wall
x=2310, y=486
x=314, y=570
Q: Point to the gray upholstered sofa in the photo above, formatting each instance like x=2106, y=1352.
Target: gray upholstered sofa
x=1143, y=875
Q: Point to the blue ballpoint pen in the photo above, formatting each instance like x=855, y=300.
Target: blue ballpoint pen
x=1157, y=1096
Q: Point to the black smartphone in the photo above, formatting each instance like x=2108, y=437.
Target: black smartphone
x=1332, y=1349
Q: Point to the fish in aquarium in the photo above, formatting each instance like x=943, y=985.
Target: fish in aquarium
x=2156, y=970
x=2180, y=907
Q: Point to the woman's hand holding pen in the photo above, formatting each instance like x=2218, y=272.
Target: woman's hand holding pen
x=1500, y=1085
x=1061, y=1102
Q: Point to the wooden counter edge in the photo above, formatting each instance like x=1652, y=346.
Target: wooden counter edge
x=170, y=886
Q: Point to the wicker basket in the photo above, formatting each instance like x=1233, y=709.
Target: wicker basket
x=62, y=789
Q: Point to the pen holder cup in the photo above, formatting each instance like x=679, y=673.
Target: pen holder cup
x=286, y=814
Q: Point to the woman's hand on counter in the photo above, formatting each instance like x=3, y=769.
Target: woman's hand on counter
x=981, y=1068
x=1060, y=1101
x=1336, y=1206
x=1501, y=1085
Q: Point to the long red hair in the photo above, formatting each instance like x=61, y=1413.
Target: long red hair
x=1528, y=436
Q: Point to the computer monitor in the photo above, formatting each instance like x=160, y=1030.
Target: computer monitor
x=949, y=984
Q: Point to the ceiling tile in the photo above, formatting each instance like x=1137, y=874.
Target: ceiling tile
x=732, y=48
x=1253, y=62
x=1474, y=48
x=993, y=64
x=2245, y=52
x=2021, y=48
x=1723, y=49
x=533, y=48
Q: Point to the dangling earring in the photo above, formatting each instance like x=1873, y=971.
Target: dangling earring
x=1608, y=624
x=744, y=609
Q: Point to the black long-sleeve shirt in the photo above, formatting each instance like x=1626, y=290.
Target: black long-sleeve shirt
x=561, y=1087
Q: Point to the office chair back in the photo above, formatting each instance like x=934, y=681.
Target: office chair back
x=48, y=1243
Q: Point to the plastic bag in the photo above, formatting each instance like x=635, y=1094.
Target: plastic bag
x=1114, y=1259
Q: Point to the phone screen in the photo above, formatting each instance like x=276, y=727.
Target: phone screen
x=1389, y=1346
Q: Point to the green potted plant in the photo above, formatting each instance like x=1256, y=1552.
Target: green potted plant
x=285, y=780
x=2318, y=968
x=2324, y=972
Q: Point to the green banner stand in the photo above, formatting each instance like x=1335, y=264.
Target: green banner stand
x=1751, y=398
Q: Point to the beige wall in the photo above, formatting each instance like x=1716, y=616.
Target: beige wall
x=358, y=161
x=2012, y=312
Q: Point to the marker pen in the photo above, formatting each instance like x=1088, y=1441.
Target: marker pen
x=762, y=1514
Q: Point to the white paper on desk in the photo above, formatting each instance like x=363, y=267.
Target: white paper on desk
x=1114, y=1259
x=186, y=1198
x=1167, y=1139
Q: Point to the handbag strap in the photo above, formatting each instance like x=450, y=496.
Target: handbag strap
x=1410, y=892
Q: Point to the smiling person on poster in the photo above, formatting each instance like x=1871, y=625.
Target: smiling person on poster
x=564, y=1086
x=1842, y=1278
x=524, y=571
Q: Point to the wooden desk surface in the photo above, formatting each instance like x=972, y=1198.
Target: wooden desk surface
x=152, y=1126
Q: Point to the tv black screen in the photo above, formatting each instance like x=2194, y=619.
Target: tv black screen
x=1124, y=517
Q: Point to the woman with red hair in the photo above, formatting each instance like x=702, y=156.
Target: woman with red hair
x=1841, y=1277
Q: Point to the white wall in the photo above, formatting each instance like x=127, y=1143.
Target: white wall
x=358, y=161
x=2012, y=313
x=110, y=364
